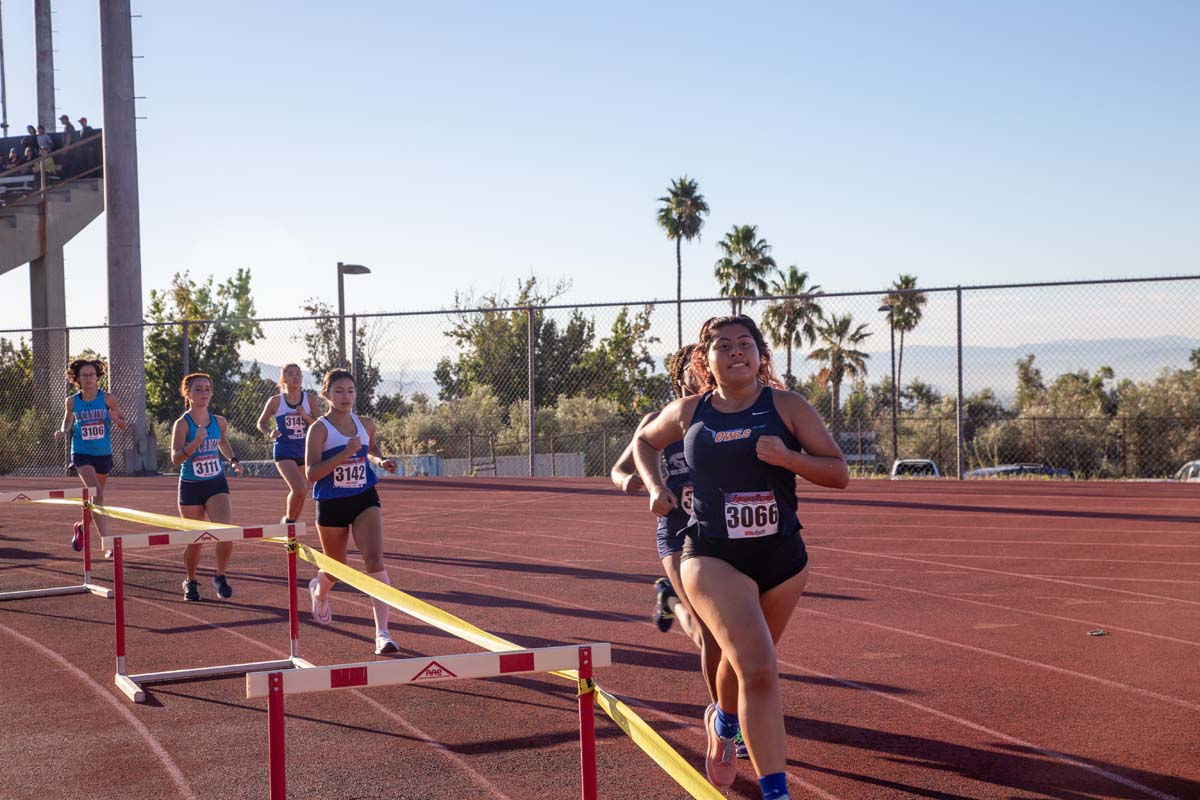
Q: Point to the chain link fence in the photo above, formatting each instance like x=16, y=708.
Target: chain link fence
x=1084, y=379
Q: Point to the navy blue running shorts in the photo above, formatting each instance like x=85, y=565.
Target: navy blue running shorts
x=197, y=493
x=102, y=464
x=768, y=561
x=340, y=512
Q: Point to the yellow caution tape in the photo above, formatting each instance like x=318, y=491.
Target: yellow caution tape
x=158, y=520
x=634, y=726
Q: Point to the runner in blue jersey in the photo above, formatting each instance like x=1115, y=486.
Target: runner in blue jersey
x=745, y=439
x=293, y=411
x=88, y=417
x=339, y=450
x=198, y=441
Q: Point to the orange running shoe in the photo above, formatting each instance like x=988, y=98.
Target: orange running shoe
x=720, y=762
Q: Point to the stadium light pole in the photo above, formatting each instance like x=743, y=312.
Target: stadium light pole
x=891, y=312
x=342, y=270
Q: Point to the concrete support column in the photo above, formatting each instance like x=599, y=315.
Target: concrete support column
x=135, y=450
x=47, y=287
x=48, y=309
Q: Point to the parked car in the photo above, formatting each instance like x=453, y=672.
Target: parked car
x=914, y=468
x=1189, y=472
x=1019, y=471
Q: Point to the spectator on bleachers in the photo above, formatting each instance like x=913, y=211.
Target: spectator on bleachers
x=29, y=141
x=85, y=130
x=48, y=164
x=43, y=139
x=13, y=159
x=30, y=155
x=68, y=130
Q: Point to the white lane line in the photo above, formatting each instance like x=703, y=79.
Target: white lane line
x=1016, y=659
x=1043, y=558
x=966, y=723
x=1005, y=572
x=1038, y=542
x=172, y=769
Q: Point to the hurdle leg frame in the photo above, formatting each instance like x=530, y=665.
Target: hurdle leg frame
x=133, y=685
x=87, y=587
x=349, y=676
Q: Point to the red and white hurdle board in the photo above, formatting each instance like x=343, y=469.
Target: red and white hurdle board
x=276, y=685
x=132, y=685
x=75, y=493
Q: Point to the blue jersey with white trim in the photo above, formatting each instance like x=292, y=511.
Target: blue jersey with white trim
x=354, y=475
x=735, y=495
x=292, y=427
x=92, y=429
x=205, y=463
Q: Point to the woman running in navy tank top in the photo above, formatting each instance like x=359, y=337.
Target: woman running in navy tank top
x=744, y=560
x=198, y=441
x=293, y=410
x=88, y=418
x=337, y=450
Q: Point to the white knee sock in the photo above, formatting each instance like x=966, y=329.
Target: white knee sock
x=379, y=608
x=324, y=584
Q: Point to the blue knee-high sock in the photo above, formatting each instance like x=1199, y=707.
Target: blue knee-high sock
x=727, y=724
x=774, y=786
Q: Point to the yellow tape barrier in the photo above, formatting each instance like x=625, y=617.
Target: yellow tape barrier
x=625, y=718
x=158, y=520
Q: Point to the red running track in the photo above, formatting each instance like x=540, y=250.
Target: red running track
x=942, y=650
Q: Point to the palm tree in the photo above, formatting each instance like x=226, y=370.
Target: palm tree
x=792, y=321
x=742, y=270
x=681, y=216
x=840, y=356
x=906, y=315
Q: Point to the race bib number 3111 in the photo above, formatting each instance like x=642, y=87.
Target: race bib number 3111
x=207, y=467
x=749, y=515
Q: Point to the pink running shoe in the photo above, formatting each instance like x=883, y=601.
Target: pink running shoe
x=321, y=612
x=720, y=762
x=77, y=537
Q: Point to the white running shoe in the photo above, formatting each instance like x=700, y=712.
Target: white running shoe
x=322, y=614
x=384, y=644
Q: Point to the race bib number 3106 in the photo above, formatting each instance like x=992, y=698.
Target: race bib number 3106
x=350, y=474
x=92, y=431
x=749, y=515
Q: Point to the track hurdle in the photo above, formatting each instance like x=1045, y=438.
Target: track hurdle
x=61, y=495
x=427, y=669
x=131, y=685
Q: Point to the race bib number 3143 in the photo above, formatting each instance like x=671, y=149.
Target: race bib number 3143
x=749, y=515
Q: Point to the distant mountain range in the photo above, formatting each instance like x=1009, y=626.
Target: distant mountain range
x=983, y=367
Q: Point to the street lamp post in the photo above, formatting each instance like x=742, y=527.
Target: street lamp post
x=345, y=269
x=891, y=312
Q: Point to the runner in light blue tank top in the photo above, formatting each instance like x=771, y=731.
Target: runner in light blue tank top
x=292, y=411
x=198, y=440
x=89, y=423
x=745, y=442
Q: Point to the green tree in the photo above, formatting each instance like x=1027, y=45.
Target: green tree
x=907, y=309
x=16, y=377
x=220, y=318
x=621, y=368
x=494, y=347
x=321, y=353
x=1030, y=386
x=743, y=266
x=681, y=215
x=840, y=356
x=792, y=322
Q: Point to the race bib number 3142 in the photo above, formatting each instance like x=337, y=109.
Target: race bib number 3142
x=749, y=515
x=350, y=474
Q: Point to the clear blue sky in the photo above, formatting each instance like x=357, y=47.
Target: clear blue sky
x=456, y=146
